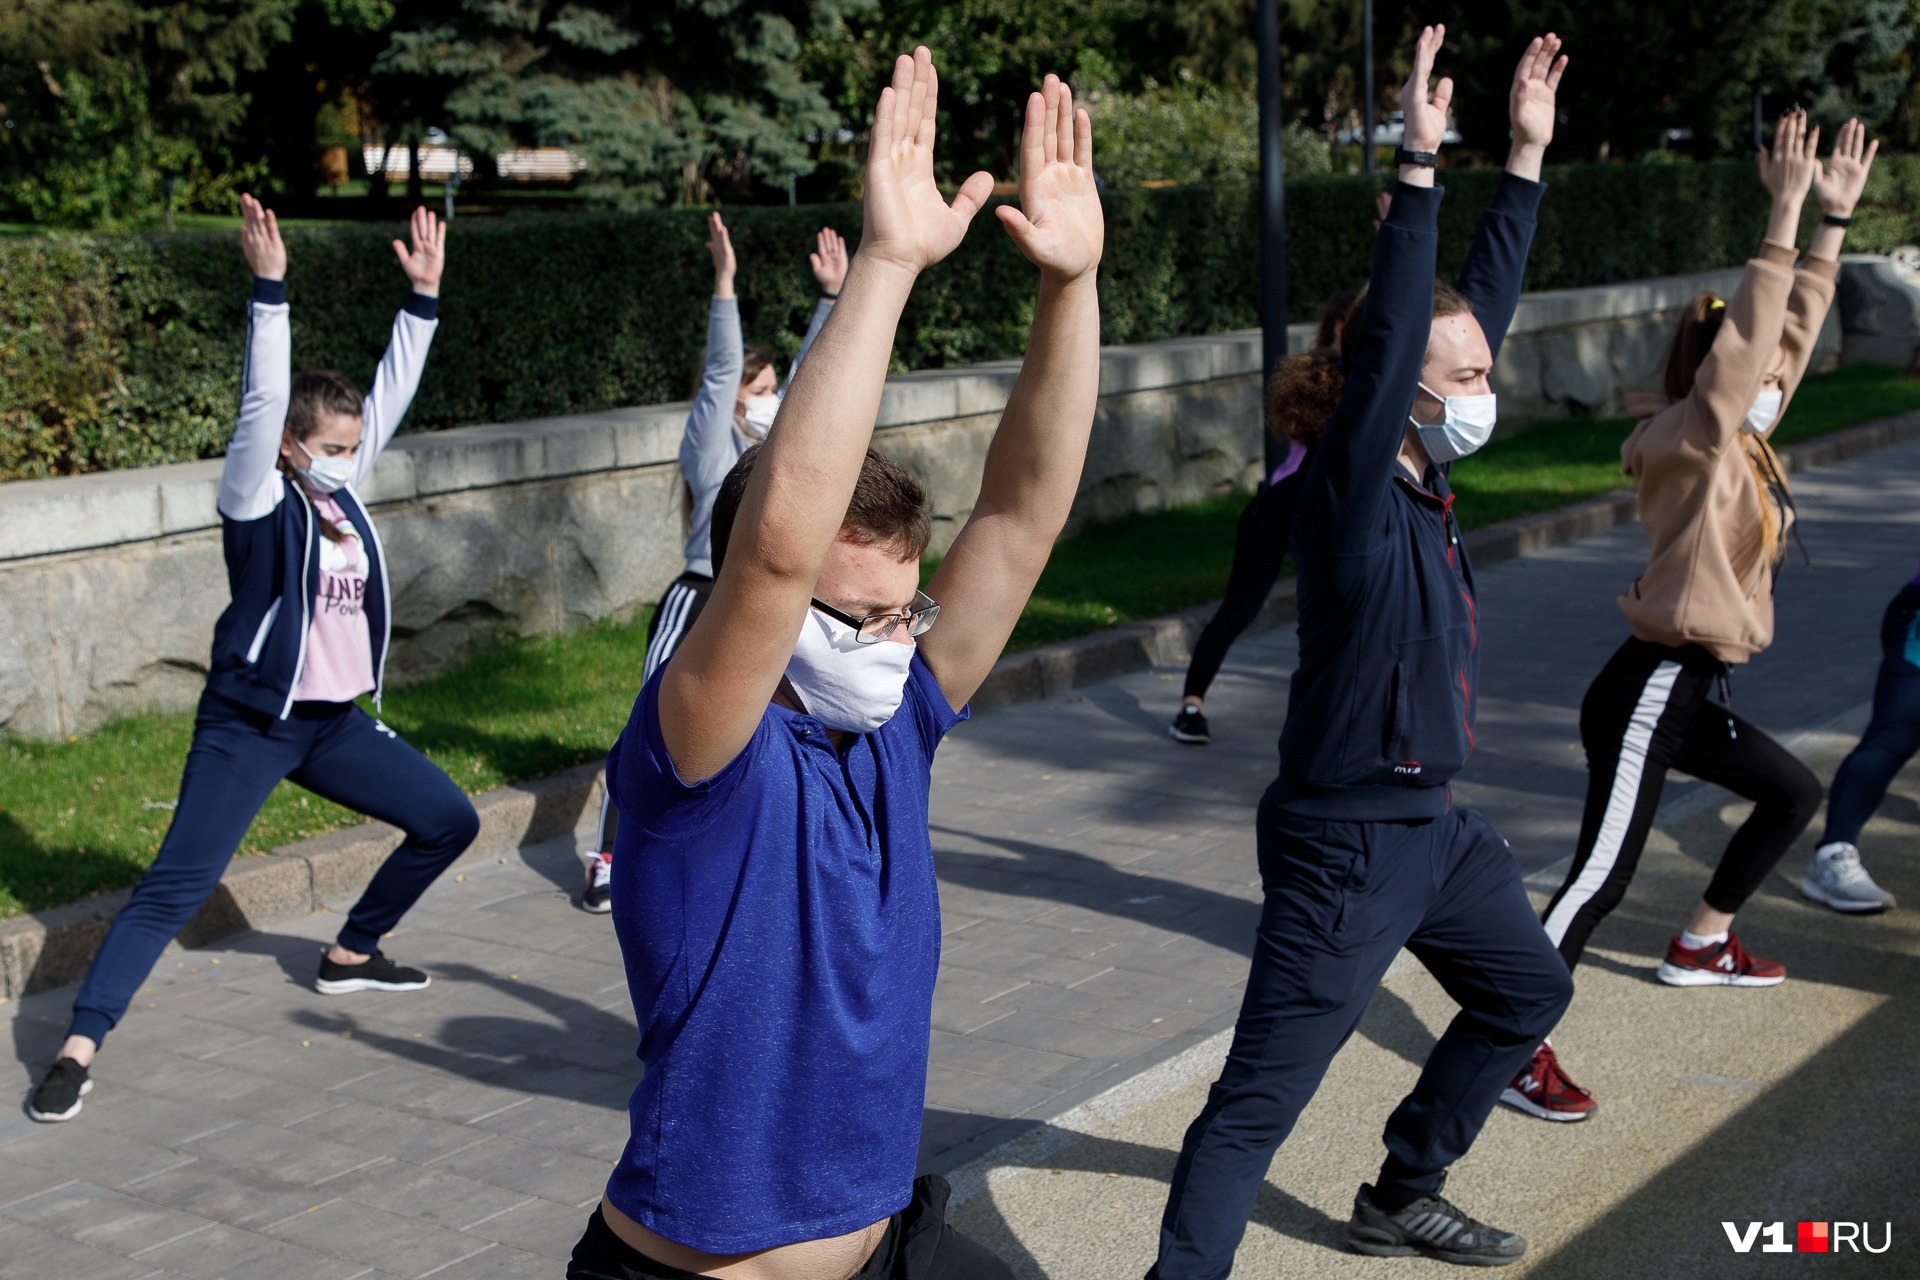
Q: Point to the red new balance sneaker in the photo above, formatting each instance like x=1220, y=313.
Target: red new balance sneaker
x=1543, y=1090
x=1724, y=964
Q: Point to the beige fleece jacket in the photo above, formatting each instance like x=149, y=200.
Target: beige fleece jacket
x=1705, y=582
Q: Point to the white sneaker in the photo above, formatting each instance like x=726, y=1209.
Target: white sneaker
x=1836, y=878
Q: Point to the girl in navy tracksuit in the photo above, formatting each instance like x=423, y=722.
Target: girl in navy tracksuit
x=306, y=634
x=1259, y=538
x=1362, y=850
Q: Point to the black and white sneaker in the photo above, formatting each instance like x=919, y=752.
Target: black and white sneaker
x=1432, y=1226
x=597, y=897
x=375, y=973
x=1191, y=728
x=59, y=1094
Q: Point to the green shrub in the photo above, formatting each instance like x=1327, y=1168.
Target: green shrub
x=124, y=350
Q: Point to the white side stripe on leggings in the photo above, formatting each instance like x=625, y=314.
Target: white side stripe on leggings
x=1627, y=772
x=673, y=621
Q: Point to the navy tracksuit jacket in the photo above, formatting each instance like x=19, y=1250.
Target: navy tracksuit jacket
x=1361, y=850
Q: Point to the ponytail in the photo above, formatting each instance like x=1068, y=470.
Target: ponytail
x=1700, y=323
x=1303, y=393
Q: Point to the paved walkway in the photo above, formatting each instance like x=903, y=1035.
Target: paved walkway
x=1099, y=896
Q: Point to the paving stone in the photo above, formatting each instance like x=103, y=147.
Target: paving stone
x=223, y=1251
x=429, y=1194
x=371, y=1129
x=103, y=1219
x=297, y=1159
x=501, y=1263
x=215, y=1192
x=533, y=1168
x=374, y=1237
x=537, y=1226
x=30, y=1254
x=19, y=1180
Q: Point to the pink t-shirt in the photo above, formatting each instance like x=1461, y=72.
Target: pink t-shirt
x=339, y=666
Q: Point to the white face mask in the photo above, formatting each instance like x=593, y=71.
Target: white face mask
x=325, y=475
x=1764, y=413
x=843, y=683
x=759, y=413
x=1466, y=423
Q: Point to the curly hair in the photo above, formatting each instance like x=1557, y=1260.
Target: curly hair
x=1304, y=390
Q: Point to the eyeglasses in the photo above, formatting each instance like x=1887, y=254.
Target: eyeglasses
x=876, y=627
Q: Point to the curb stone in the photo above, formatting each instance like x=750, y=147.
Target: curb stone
x=52, y=948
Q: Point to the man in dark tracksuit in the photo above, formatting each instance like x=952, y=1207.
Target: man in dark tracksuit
x=1361, y=848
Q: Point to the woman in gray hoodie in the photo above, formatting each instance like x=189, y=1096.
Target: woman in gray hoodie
x=738, y=397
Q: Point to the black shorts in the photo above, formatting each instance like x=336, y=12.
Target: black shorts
x=919, y=1245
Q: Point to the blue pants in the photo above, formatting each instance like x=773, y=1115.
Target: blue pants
x=1892, y=736
x=334, y=750
x=1342, y=898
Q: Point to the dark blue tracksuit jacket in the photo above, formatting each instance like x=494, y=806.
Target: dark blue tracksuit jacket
x=1380, y=716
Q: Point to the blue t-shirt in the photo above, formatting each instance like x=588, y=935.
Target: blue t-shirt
x=780, y=924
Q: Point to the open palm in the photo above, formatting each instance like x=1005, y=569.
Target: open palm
x=908, y=221
x=1426, y=115
x=1059, y=224
x=1536, y=81
x=1839, y=186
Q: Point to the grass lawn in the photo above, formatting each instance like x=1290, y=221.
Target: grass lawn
x=86, y=816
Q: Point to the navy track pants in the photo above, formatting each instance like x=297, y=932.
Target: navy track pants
x=1342, y=898
x=1893, y=735
x=333, y=749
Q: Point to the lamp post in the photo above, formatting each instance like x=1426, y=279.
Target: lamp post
x=1273, y=217
x=1366, y=75
x=168, y=177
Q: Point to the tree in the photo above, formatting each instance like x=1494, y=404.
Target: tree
x=98, y=96
x=664, y=100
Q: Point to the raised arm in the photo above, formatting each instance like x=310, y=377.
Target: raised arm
x=250, y=481
x=1736, y=365
x=829, y=263
x=1496, y=263
x=714, y=692
x=1838, y=189
x=1033, y=465
x=398, y=376
x=1354, y=465
x=707, y=450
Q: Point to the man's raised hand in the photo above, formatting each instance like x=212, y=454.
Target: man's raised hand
x=260, y=241
x=908, y=223
x=1530, y=106
x=829, y=261
x=1059, y=224
x=1839, y=186
x=1425, y=114
x=428, y=256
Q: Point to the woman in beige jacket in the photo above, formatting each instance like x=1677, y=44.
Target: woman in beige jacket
x=1715, y=504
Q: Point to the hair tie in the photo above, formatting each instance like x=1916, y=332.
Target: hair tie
x=1718, y=304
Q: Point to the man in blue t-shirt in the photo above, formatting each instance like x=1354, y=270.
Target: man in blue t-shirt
x=774, y=887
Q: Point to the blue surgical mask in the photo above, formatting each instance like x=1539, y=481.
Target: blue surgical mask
x=1466, y=423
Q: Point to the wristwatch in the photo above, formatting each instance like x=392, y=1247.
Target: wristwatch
x=1425, y=159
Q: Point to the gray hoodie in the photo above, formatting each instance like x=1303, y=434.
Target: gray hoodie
x=711, y=446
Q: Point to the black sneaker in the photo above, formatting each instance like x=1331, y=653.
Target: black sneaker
x=1432, y=1226
x=597, y=897
x=375, y=973
x=1190, y=727
x=59, y=1094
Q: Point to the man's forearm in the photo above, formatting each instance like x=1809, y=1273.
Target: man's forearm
x=1034, y=463
x=1525, y=161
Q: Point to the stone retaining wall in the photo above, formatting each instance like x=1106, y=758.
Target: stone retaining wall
x=110, y=583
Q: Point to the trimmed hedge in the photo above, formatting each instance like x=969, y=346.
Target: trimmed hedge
x=122, y=351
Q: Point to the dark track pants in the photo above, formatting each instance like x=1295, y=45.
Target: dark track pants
x=1259, y=552
x=672, y=618
x=1342, y=898
x=1892, y=736
x=1647, y=712
x=334, y=750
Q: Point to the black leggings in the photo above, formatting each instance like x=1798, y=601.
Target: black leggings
x=1259, y=549
x=920, y=1244
x=1646, y=712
